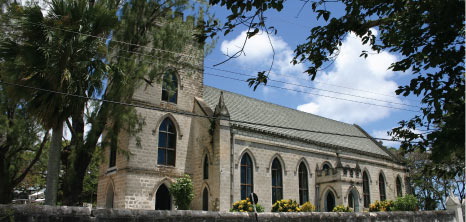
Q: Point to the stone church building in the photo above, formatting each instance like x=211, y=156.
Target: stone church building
x=239, y=149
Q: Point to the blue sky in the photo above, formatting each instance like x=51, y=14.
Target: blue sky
x=349, y=74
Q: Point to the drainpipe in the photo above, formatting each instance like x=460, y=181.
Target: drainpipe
x=232, y=165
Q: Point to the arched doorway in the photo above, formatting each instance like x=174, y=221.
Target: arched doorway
x=205, y=199
x=163, y=198
x=110, y=195
x=329, y=201
x=353, y=200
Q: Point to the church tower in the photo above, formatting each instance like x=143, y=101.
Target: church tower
x=166, y=150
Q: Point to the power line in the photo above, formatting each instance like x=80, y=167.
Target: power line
x=284, y=82
x=299, y=91
x=188, y=55
x=305, y=92
x=187, y=113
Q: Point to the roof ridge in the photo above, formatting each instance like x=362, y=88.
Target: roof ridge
x=299, y=111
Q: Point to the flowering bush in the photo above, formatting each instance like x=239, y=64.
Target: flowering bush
x=246, y=206
x=381, y=206
x=406, y=203
x=308, y=207
x=341, y=208
x=286, y=206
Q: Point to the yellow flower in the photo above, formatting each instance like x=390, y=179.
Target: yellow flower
x=249, y=203
x=280, y=209
x=289, y=210
x=250, y=209
x=240, y=206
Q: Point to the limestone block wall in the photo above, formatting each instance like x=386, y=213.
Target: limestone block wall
x=82, y=214
x=263, y=150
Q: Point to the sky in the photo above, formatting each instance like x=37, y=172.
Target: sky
x=351, y=77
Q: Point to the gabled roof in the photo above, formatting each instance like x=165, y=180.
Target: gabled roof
x=243, y=108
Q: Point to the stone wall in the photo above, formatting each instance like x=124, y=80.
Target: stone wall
x=82, y=214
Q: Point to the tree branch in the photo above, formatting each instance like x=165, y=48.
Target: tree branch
x=31, y=164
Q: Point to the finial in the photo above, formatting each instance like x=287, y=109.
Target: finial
x=221, y=109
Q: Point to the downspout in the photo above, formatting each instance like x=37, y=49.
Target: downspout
x=232, y=163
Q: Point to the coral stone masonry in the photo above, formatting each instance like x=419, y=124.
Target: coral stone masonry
x=238, y=151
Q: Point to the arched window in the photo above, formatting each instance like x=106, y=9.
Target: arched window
x=169, y=87
x=206, y=167
x=246, y=176
x=303, y=184
x=205, y=199
x=277, y=188
x=365, y=189
x=110, y=195
x=326, y=168
x=167, y=143
x=399, y=191
x=113, y=154
x=382, y=187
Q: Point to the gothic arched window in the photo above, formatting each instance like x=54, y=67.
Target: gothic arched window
x=303, y=184
x=246, y=176
x=167, y=143
x=277, y=188
x=206, y=167
x=365, y=189
x=382, y=187
x=399, y=191
x=169, y=87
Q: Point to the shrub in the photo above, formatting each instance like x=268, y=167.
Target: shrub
x=341, y=208
x=381, y=206
x=182, y=191
x=286, y=206
x=406, y=203
x=246, y=206
x=308, y=207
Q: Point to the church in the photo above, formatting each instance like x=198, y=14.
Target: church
x=231, y=145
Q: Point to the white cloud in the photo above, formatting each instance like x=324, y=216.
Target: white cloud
x=351, y=70
x=258, y=55
x=370, y=74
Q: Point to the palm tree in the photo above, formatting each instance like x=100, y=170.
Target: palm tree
x=52, y=54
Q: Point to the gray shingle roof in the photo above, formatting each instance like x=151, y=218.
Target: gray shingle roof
x=248, y=109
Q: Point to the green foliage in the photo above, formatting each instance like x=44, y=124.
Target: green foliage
x=406, y=203
x=23, y=141
x=182, y=191
x=286, y=206
x=428, y=35
x=385, y=205
x=308, y=207
x=245, y=206
x=341, y=208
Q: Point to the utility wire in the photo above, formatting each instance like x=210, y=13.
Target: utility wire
x=305, y=92
x=309, y=87
x=299, y=91
x=192, y=56
x=188, y=113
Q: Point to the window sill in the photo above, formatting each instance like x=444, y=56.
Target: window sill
x=111, y=170
x=166, y=166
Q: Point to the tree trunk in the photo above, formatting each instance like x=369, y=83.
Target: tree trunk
x=53, y=166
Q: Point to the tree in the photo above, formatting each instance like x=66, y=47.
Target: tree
x=182, y=190
x=43, y=53
x=432, y=182
x=21, y=145
x=429, y=36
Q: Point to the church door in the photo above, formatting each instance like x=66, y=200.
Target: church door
x=163, y=198
x=329, y=201
x=353, y=200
